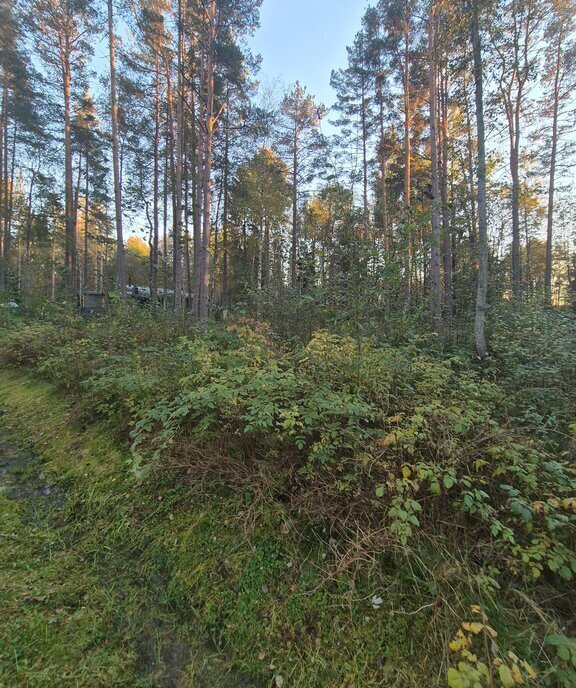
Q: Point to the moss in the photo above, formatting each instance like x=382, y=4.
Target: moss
x=117, y=588
x=79, y=606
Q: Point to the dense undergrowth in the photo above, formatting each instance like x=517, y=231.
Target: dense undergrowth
x=357, y=500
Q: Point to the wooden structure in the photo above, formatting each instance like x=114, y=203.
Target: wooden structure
x=92, y=302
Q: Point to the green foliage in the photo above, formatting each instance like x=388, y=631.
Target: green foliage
x=534, y=358
x=322, y=475
x=406, y=437
x=482, y=663
x=565, y=648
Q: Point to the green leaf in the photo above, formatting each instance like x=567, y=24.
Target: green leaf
x=506, y=676
x=455, y=679
x=380, y=491
x=435, y=488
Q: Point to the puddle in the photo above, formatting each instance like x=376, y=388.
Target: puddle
x=13, y=462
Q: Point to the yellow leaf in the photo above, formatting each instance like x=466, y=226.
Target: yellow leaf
x=388, y=440
x=474, y=627
x=491, y=632
x=460, y=642
x=516, y=675
x=476, y=609
x=529, y=669
x=470, y=656
x=406, y=472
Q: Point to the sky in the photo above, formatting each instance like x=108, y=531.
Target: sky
x=305, y=40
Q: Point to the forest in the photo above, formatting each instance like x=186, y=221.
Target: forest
x=287, y=387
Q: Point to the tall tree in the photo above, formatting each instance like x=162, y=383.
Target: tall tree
x=560, y=84
x=436, y=280
x=63, y=29
x=482, y=285
x=302, y=118
x=120, y=263
x=513, y=40
x=353, y=86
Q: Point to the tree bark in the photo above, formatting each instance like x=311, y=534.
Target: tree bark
x=210, y=25
x=177, y=240
x=120, y=262
x=225, y=210
x=155, y=192
x=365, y=217
x=3, y=130
x=552, y=177
x=446, y=229
x=86, y=212
x=482, y=288
x=294, y=248
x=436, y=283
x=70, y=236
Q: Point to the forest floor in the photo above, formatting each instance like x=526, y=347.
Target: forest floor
x=73, y=613
x=159, y=488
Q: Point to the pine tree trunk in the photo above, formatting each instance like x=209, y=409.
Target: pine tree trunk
x=294, y=248
x=177, y=237
x=225, y=238
x=365, y=218
x=407, y=165
x=120, y=262
x=70, y=238
x=3, y=129
x=155, y=192
x=383, y=173
x=482, y=289
x=552, y=179
x=28, y=238
x=436, y=283
x=515, y=173
x=207, y=166
x=444, y=194
x=407, y=123
x=86, y=213
x=165, y=228
x=10, y=208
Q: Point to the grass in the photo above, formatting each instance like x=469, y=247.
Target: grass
x=120, y=586
x=80, y=606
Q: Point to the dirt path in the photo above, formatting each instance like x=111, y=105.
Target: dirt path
x=68, y=621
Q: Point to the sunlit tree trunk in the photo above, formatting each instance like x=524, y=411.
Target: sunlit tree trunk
x=155, y=192
x=120, y=263
x=294, y=247
x=70, y=236
x=209, y=122
x=552, y=176
x=436, y=283
x=4, y=244
x=446, y=229
x=177, y=237
x=225, y=237
x=86, y=223
x=482, y=288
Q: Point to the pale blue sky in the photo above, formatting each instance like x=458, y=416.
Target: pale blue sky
x=305, y=40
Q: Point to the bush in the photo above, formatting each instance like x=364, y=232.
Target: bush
x=393, y=437
x=430, y=460
x=534, y=360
